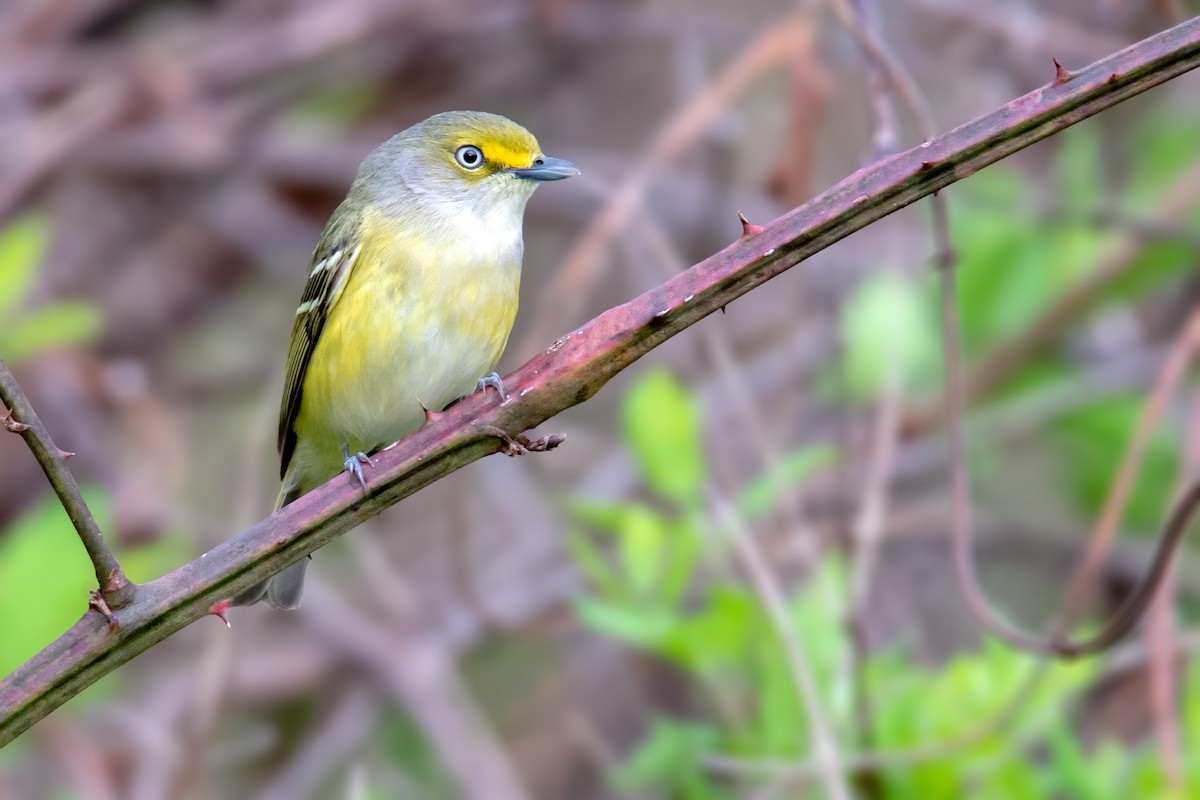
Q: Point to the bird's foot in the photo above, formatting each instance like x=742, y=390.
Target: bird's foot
x=353, y=464
x=492, y=379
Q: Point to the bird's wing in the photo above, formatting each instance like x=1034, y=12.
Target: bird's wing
x=331, y=266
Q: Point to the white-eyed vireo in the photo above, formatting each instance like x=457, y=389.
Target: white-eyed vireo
x=411, y=295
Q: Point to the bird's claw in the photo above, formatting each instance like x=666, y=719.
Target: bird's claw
x=353, y=465
x=492, y=379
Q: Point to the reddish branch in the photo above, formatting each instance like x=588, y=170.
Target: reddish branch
x=575, y=367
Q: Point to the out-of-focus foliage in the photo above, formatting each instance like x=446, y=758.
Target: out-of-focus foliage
x=23, y=331
x=659, y=597
x=1014, y=268
x=655, y=551
x=41, y=557
x=657, y=592
x=1088, y=440
x=660, y=422
x=889, y=337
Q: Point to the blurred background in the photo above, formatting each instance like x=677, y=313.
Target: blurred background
x=739, y=560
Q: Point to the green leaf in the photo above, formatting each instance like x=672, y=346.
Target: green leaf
x=45, y=577
x=56, y=325
x=763, y=493
x=1075, y=168
x=1090, y=441
x=780, y=724
x=670, y=757
x=683, y=546
x=655, y=554
x=886, y=328
x=644, y=542
x=593, y=564
x=608, y=517
x=1162, y=148
x=641, y=550
x=662, y=427
x=716, y=636
x=635, y=625
x=22, y=245
x=1001, y=246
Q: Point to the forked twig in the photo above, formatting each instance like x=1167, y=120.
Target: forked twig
x=115, y=590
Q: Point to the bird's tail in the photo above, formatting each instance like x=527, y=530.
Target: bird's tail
x=283, y=590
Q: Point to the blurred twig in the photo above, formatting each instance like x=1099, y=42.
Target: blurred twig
x=1130, y=611
x=1004, y=360
x=1161, y=645
x=887, y=77
x=719, y=349
x=1163, y=640
x=827, y=757
x=861, y=763
x=426, y=684
x=1172, y=372
x=575, y=367
x=115, y=590
x=125, y=107
x=565, y=294
x=339, y=737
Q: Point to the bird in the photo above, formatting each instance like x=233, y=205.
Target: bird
x=411, y=295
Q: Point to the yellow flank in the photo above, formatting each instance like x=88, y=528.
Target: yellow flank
x=422, y=317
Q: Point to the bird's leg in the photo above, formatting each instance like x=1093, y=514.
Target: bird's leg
x=353, y=464
x=492, y=379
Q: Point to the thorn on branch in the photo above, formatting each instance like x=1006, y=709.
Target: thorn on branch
x=64, y=454
x=519, y=445
x=220, y=609
x=748, y=227
x=1061, y=74
x=12, y=425
x=927, y=165
x=430, y=414
x=96, y=603
x=1116, y=76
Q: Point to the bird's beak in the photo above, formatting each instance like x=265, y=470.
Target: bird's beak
x=545, y=168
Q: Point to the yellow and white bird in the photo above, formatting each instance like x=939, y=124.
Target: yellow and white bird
x=411, y=296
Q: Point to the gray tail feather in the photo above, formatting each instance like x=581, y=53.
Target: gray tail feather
x=282, y=590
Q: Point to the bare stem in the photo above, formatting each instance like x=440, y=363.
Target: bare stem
x=824, y=738
x=116, y=591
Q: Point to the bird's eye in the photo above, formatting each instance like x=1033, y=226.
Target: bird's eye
x=469, y=156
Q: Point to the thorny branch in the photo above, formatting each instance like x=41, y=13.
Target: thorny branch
x=115, y=590
x=576, y=366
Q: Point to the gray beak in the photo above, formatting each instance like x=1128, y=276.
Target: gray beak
x=547, y=169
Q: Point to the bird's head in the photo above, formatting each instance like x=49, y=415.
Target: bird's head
x=466, y=157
